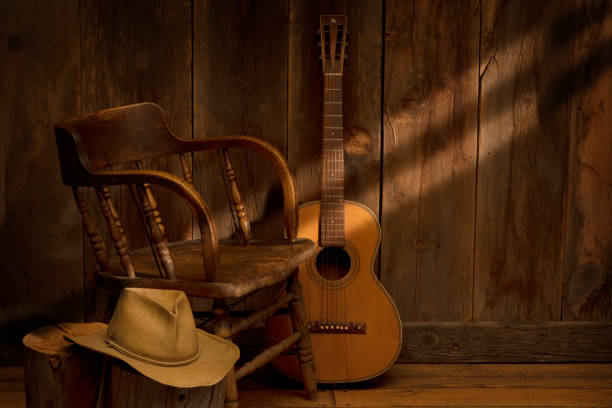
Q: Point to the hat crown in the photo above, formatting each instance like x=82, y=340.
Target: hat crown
x=155, y=326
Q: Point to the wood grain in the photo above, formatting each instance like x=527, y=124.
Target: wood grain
x=361, y=83
x=13, y=399
x=124, y=63
x=133, y=52
x=446, y=382
x=429, y=158
x=285, y=398
x=587, y=272
x=57, y=373
x=126, y=387
x=11, y=379
x=474, y=397
x=240, y=87
x=439, y=342
x=519, y=376
x=541, y=207
x=489, y=342
x=40, y=231
x=524, y=110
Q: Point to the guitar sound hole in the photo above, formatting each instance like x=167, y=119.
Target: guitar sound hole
x=333, y=263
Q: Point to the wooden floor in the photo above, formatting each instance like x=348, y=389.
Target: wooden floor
x=418, y=385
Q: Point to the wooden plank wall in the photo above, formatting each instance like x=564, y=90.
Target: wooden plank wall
x=429, y=158
x=522, y=162
x=587, y=262
x=477, y=131
x=124, y=63
x=40, y=231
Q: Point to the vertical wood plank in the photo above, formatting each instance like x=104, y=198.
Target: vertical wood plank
x=40, y=230
x=524, y=110
x=429, y=157
x=139, y=51
x=240, y=87
x=361, y=88
x=124, y=63
x=587, y=291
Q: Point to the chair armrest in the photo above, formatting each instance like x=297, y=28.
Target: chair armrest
x=273, y=155
x=186, y=191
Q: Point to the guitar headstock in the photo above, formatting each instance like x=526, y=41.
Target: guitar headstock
x=333, y=43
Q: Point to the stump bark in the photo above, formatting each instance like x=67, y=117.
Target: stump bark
x=61, y=374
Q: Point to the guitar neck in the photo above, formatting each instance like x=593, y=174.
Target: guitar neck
x=332, y=175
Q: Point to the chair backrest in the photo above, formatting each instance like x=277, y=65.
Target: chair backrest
x=97, y=141
x=117, y=136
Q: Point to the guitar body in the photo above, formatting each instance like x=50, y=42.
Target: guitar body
x=341, y=289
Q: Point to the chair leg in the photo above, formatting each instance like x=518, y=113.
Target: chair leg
x=298, y=318
x=222, y=329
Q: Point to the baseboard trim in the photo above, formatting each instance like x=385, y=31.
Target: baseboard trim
x=492, y=342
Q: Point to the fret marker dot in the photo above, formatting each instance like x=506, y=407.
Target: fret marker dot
x=332, y=221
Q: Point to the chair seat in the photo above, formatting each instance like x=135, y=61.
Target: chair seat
x=243, y=268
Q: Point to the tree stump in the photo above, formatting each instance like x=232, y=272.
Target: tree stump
x=61, y=374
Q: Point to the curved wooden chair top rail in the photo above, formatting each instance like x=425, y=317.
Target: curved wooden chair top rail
x=89, y=144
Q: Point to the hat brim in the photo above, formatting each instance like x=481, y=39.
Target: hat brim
x=217, y=357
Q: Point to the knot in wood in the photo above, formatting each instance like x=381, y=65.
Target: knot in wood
x=55, y=362
x=430, y=340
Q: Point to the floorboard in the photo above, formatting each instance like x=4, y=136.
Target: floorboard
x=416, y=385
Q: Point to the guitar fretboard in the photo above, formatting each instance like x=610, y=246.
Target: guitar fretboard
x=332, y=179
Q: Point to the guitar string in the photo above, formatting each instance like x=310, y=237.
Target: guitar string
x=326, y=164
x=343, y=34
x=340, y=161
x=336, y=227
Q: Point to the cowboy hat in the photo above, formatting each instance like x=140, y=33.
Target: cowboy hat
x=154, y=332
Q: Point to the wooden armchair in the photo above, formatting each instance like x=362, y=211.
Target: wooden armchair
x=89, y=145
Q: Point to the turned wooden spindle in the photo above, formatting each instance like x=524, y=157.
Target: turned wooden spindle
x=186, y=172
x=115, y=228
x=157, y=231
x=243, y=218
x=93, y=233
x=156, y=228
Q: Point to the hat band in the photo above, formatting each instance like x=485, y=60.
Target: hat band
x=162, y=363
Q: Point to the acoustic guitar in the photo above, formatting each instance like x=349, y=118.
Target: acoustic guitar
x=355, y=327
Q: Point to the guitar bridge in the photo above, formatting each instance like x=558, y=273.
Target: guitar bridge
x=338, y=327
